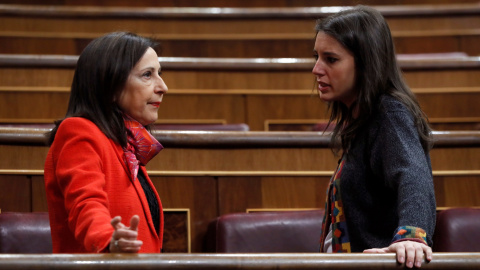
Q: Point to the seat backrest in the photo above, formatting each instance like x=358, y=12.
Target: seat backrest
x=25, y=233
x=282, y=231
x=457, y=230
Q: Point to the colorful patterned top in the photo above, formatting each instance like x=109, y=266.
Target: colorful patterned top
x=335, y=216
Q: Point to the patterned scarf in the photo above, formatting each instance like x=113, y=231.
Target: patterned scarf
x=141, y=146
x=335, y=216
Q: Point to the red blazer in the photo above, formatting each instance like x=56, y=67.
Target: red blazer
x=87, y=185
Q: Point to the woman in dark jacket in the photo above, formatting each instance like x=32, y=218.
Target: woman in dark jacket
x=381, y=197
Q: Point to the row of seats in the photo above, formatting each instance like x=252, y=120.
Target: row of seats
x=264, y=99
x=196, y=32
x=457, y=230
x=261, y=232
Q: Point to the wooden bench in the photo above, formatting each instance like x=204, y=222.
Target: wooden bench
x=207, y=32
x=278, y=92
x=216, y=173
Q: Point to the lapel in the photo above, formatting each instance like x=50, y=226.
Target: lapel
x=138, y=188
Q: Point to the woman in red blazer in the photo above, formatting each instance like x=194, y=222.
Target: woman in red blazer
x=100, y=198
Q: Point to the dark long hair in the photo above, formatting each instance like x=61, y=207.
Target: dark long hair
x=364, y=32
x=101, y=73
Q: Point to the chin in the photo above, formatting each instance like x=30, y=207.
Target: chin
x=325, y=99
x=151, y=121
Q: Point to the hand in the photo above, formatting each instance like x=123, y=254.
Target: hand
x=412, y=250
x=124, y=239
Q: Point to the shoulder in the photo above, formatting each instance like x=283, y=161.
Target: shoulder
x=73, y=122
x=393, y=110
x=75, y=127
x=392, y=120
x=390, y=104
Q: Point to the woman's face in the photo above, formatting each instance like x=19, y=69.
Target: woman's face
x=143, y=90
x=334, y=70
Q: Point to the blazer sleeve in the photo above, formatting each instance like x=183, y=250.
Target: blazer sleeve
x=79, y=172
x=407, y=170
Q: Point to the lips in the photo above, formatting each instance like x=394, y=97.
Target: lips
x=155, y=104
x=322, y=86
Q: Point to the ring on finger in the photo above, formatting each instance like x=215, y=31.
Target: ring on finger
x=115, y=243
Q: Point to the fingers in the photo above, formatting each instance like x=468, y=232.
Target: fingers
x=124, y=239
x=128, y=246
x=400, y=251
x=428, y=253
x=116, y=222
x=134, y=221
x=418, y=256
x=411, y=253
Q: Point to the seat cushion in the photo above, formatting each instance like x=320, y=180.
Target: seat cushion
x=25, y=233
x=285, y=231
x=457, y=230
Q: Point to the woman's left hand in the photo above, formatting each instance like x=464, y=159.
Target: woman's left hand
x=411, y=250
x=124, y=239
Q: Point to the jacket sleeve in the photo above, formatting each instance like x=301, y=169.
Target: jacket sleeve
x=407, y=170
x=79, y=172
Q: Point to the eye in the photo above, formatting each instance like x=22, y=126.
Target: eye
x=147, y=74
x=315, y=55
x=160, y=73
x=332, y=59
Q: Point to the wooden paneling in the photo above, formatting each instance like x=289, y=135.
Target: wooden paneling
x=39, y=196
x=204, y=197
x=237, y=194
x=16, y=193
x=239, y=159
x=198, y=194
x=447, y=108
x=268, y=107
x=241, y=79
x=215, y=177
x=457, y=191
x=176, y=235
x=273, y=47
x=55, y=77
x=442, y=78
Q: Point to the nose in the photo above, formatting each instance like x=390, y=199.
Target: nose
x=161, y=87
x=318, y=69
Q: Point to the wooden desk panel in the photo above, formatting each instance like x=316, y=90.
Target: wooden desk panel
x=214, y=173
x=256, y=159
x=209, y=196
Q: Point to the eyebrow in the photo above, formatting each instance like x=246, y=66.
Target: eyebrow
x=330, y=54
x=149, y=68
x=327, y=53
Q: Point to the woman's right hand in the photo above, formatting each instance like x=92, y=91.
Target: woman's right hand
x=124, y=239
